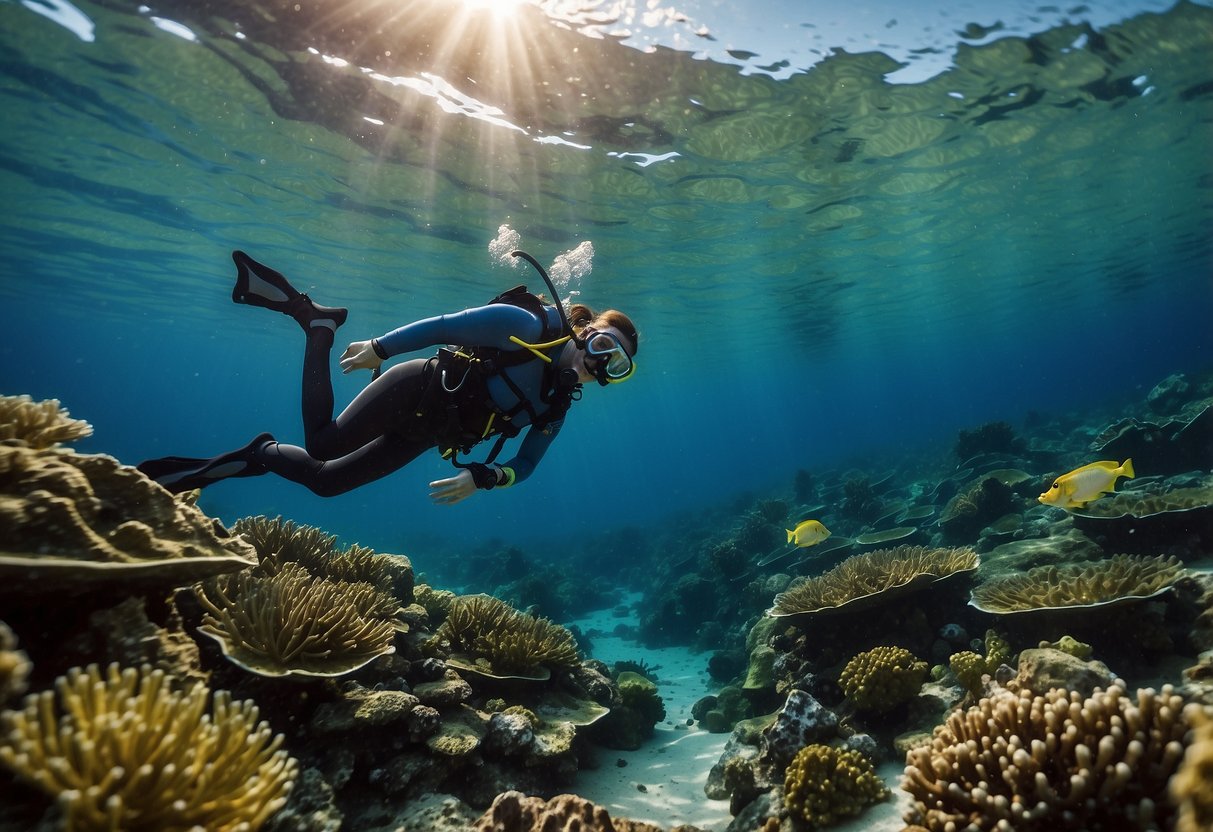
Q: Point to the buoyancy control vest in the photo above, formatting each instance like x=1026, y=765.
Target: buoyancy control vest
x=457, y=405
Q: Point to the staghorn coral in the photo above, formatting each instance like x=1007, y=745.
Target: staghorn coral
x=1056, y=761
x=494, y=638
x=126, y=752
x=14, y=666
x=824, y=784
x=70, y=521
x=859, y=580
x=1190, y=785
x=435, y=602
x=880, y=679
x=39, y=425
x=1120, y=578
x=279, y=541
x=293, y=624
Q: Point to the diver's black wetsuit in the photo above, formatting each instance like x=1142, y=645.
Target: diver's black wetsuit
x=380, y=431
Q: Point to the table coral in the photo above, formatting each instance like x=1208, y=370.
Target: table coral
x=824, y=784
x=862, y=579
x=1117, y=579
x=75, y=520
x=499, y=640
x=293, y=624
x=880, y=679
x=123, y=751
x=1054, y=761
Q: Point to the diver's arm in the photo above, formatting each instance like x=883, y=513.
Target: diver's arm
x=483, y=326
x=534, y=446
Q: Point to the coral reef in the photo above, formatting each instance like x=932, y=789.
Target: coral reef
x=823, y=784
x=990, y=438
x=1118, y=579
x=1190, y=787
x=1055, y=761
x=489, y=636
x=882, y=678
x=861, y=578
x=981, y=504
x=14, y=666
x=969, y=667
x=515, y=812
x=128, y=753
x=1168, y=448
x=279, y=541
x=72, y=521
x=39, y=425
x=290, y=623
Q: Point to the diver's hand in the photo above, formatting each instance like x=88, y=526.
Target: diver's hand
x=450, y=491
x=360, y=355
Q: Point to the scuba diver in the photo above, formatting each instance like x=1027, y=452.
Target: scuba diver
x=521, y=365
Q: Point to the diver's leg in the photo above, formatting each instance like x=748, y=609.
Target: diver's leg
x=327, y=478
x=259, y=285
x=387, y=405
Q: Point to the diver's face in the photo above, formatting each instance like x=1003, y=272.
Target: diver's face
x=586, y=360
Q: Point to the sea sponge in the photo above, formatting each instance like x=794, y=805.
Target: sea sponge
x=39, y=425
x=489, y=636
x=1054, y=761
x=870, y=578
x=1190, y=785
x=1099, y=583
x=880, y=679
x=823, y=784
x=126, y=752
x=293, y=624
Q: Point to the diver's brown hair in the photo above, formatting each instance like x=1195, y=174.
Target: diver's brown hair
x=581, y=316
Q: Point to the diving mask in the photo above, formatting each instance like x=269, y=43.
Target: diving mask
x=611, y=361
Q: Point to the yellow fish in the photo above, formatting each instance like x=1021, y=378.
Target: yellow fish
x=808, y=533
x=1082, y=485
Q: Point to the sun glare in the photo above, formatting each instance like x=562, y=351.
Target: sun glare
x=498, y=8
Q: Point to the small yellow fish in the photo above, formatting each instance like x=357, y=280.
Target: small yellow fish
x=808, y=533
x=1082, y=485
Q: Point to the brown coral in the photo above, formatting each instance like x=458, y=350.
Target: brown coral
x=39, y=425
x=1056, y=761
x=293, y=624
x=882, y=678
x=515, y=812
x=1190, y=787
x=1116, y=580
x=71, y=520
x=822, y=784
x=126, y=752
x=14, y=666
x=863, y=580
x=489, y=636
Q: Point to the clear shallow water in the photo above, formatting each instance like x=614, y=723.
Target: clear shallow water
x=831, y=264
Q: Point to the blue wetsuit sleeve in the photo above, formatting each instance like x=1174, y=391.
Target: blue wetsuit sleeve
x=534, y=446
x=482, y=326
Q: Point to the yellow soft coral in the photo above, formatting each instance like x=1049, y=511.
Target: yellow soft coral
x=880, y=679
x=823, y=784
x=128, y=753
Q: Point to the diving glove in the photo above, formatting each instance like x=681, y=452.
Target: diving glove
x=361, y=355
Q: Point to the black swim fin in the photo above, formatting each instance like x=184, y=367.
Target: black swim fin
x=259, y=285
x=182, y=473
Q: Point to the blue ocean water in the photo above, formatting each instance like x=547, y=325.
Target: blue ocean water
x=826, y=266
